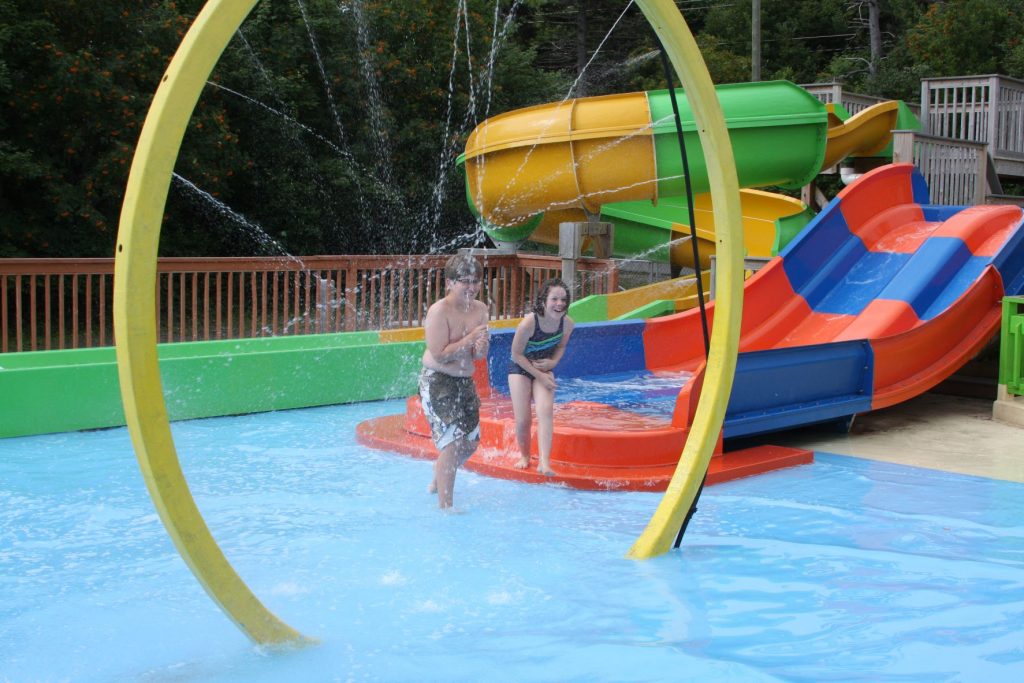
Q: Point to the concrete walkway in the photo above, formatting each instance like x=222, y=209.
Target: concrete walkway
x=950, y=433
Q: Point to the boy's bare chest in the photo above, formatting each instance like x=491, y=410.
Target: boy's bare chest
x=460, y=324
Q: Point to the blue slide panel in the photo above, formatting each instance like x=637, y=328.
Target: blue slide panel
x=848, y=287
x=940, y=267
x=939, y=213
x=782, y=388
x=827, y=233
x=919, y=188
x=1010, y=263
x=597, y=348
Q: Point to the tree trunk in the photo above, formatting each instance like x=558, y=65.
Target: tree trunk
x=875, y=34
x=755, y=40
x=581, y=49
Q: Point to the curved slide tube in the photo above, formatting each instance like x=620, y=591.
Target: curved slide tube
x=770, y=220
x=618, y=155
x=531, y=169
x=589, y=152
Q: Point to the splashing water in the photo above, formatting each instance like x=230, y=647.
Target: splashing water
x=261, y=236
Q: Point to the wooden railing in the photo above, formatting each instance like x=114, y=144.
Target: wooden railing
x=830, y=93
x=954, y=169
x=986, y=109
x=67, y=303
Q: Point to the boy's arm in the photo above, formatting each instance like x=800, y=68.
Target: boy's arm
x=483, y=342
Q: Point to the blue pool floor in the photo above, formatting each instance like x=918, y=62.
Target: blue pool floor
x=843, y=570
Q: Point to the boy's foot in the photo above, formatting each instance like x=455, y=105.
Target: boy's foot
x=546, y=471
x=522, y=463
x=433, y=487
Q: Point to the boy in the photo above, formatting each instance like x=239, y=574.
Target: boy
x=456, y=333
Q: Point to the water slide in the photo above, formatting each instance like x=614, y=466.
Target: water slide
x=882, y=297
x=618, y=156
x=878, y=299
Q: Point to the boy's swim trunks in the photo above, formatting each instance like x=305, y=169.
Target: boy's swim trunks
x=451, y=406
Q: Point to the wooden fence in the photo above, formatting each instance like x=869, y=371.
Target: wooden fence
x=978, y=109
x=67, y=303
x=833, y=93
x=954, y=169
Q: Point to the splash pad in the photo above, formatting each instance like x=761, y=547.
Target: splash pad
x=135, y=320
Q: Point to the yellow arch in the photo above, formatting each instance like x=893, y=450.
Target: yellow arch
x=135, y=314
x=135, y=320
x=660, y=533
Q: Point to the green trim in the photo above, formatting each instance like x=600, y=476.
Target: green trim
x=788, y=227
x=590, y=309
x=650, y=310
x=60, y=391
x=1011, y=345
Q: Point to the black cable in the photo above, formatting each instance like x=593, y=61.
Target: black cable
x=689, y=199
x=696, y=256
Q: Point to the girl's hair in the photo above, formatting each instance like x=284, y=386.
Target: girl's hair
x=545, y=289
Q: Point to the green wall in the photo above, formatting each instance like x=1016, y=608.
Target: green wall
x=58, y=391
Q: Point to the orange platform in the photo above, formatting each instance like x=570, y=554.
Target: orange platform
x=595, y=447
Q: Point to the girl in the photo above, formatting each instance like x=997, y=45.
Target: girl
x=537, y=347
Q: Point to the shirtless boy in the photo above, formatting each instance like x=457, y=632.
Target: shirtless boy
x=456, y=333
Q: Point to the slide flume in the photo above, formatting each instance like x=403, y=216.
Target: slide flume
x=617, y=156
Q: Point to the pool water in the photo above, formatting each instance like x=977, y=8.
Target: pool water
x=843, y=570
x=646, y=393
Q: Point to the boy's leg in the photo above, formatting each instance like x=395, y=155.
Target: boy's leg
x=520, y=389
x=444, y=473
x=449, y=460
x=544, y=403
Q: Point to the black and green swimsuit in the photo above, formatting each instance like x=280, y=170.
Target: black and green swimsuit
x=540, y=345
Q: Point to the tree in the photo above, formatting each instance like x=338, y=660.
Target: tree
x=965, y=37
x=326, y=126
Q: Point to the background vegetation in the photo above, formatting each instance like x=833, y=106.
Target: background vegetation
x=332, y=126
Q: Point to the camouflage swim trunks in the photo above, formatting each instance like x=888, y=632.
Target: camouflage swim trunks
x=451, y=406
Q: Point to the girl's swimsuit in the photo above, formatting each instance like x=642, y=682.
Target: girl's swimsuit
x=540, y=345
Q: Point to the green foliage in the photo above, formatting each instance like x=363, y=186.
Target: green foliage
x=75, y=94
x=332, y=126
x=968, y=37
x=327, y=127
x=796, y=36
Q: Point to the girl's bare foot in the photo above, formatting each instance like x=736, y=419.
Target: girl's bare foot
x=546, y=471
x=433, y=486
x=522, y=463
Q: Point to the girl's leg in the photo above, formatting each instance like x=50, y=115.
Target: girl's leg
x=519, y=387
x=544, y=404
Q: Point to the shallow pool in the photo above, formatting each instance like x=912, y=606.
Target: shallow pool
x=844, y=570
